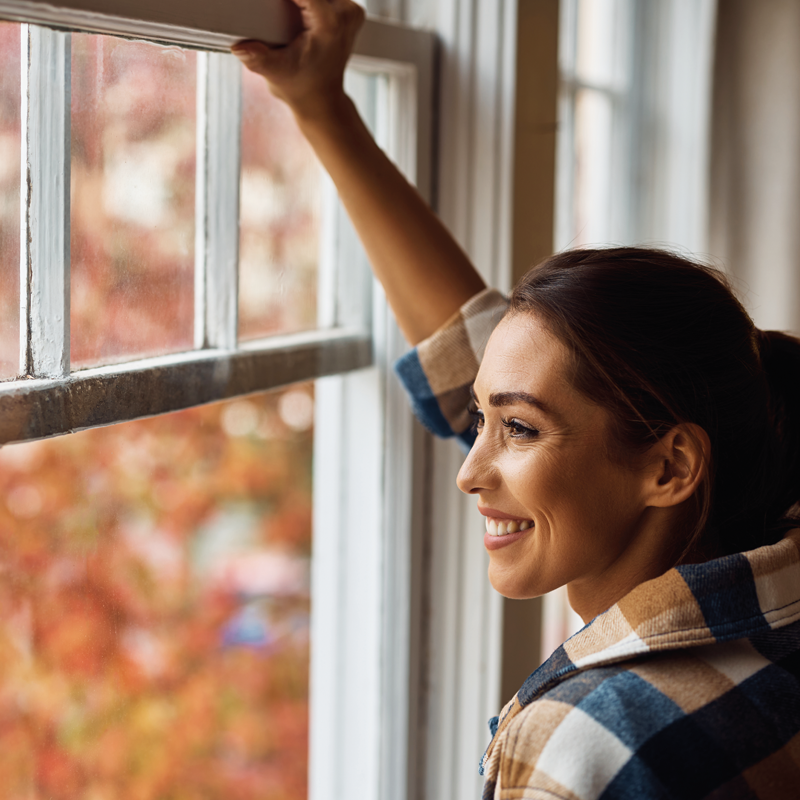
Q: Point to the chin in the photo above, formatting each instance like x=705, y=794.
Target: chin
x=515, y=587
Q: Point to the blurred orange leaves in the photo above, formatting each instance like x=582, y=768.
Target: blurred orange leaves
x=123, y=676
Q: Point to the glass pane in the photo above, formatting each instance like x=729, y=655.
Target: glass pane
x=280, y=211
x=154, y=607
x=600, y=41
x=133, y=191
x=9, y=198
x=592, y=165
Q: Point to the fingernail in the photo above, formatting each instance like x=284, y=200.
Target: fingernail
x=242, y=51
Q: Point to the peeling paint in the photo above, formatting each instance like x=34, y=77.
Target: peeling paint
x=44, y=256
x=37, y=408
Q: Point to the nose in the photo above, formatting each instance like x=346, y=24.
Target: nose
x=478, y=472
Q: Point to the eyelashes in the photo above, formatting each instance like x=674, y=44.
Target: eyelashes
x=516, y=429
x=519, y=430
x=476, y=417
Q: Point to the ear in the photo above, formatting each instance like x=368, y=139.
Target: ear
x=678, y=464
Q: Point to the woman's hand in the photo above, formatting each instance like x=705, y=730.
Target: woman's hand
x=308, y=73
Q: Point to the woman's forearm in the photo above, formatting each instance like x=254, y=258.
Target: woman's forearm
x=424, y=272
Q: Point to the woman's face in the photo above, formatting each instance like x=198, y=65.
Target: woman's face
x=541, y=468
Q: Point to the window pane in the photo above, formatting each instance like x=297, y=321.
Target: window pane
x=9, y=198
x=280, y=209
x=154, y=607
x=133, y=192
x=600, y=40
x=593, y=163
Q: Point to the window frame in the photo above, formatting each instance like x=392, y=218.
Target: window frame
x=195, y=24
x=364, y=436
x=49, y=399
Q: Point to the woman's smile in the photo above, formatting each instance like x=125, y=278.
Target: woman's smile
x=503, y=529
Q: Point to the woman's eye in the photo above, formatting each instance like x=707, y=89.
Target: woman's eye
x=477, y=418
x=519, y=430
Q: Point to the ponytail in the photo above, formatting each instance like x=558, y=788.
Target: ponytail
x=780, y=357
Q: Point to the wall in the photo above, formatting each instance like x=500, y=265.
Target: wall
x=755, y=173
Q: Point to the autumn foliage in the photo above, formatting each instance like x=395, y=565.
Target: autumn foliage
x=154, y=606
x=154, y=575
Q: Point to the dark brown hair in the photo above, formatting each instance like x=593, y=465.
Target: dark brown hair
x=660, y=340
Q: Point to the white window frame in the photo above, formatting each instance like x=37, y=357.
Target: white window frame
x=49, y=398
x=365, y=583
x=209, y=25
x=366, y=446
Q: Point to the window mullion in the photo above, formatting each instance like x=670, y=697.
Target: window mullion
x=45, y=215
x=219, y=112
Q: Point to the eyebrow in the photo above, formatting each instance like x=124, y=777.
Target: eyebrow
x=500, y=399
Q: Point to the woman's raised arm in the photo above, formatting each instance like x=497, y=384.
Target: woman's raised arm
x=426, y=275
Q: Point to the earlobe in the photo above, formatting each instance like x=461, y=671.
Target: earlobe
x=680, y=464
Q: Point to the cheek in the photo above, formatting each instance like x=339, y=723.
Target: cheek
x=572, y=489
x=541, y=479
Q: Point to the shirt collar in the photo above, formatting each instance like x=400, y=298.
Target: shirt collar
x=690, y=605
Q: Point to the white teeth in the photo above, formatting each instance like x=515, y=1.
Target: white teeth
x=503, y=528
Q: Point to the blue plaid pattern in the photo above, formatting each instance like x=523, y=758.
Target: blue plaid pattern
x=438, y=373
x=689, y=687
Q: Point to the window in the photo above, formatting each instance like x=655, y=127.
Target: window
x=97, y=349
x=634, y=106
x=155, y=605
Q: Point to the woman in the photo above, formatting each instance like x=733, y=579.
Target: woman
x=636, y=439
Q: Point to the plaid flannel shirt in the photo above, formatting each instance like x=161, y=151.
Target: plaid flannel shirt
x=688, y=687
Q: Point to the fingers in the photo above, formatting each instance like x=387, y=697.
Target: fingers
x=310, y=69
x=323, y=6
x=257, y=56
x=263, y=59
x=329, y=13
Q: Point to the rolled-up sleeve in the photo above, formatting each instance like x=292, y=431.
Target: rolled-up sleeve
x=438, y=372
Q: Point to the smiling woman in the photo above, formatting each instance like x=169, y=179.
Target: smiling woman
x=636, y=439
x=631, y=416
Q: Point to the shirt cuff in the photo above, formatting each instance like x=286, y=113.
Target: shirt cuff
x=438, y=372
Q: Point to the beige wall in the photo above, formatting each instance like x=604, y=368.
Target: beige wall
x=532, y=240
x=755, y=164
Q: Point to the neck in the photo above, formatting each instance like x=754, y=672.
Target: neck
x=654, y=548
